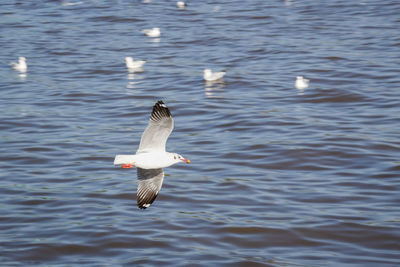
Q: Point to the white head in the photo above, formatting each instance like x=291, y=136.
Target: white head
x=176, y=158
x=21, y=59
x=299, y=77
x=207, y=72
x=129, y=61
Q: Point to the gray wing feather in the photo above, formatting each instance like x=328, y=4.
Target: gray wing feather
x=161, y=124
x=149, y=184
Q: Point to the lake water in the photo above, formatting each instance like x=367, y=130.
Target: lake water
x=279, y=176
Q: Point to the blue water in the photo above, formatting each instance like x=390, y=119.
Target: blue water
x=279, y=176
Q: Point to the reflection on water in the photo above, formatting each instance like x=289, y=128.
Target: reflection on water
x=22, y=76
x=134, y=80
x=155, y=41
x=133, y=70
x=214, y=89
x=300, y=91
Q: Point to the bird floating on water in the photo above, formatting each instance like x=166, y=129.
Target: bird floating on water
x=151, y=157
x=213, y=76
x=21, y=66
x=133, y=65
x=155, y=32
x=181, y=4
x=301, y=83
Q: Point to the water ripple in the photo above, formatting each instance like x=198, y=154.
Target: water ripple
x=279, y=177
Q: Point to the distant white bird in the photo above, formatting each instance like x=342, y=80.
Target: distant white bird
x=155, y=32
x=181, y=4
x=68, y=3
x=21, y=66
x=301, y=83
x=210, y=76
x=151, y=157
x=133, y=64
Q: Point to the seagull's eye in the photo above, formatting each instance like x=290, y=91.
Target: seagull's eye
x=174, y=157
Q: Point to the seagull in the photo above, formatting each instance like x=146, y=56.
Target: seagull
x=151, y=157
x=20, y=66
x=181, y=4
x=210, y=76
x=155, y=32
x=134, y=64
x=301, y=83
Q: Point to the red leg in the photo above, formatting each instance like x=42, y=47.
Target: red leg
x=126, y=166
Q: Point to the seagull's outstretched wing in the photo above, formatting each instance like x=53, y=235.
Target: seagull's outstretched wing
x=149, y=184
x=160, y=127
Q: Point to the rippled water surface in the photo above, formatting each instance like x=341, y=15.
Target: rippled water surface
x=279, y=176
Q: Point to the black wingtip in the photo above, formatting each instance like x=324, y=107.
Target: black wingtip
x=160, y=110
x=144, y=203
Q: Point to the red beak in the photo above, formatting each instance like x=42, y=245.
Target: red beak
x=186, y=160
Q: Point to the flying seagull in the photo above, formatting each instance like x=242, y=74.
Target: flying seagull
x=151, y=157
